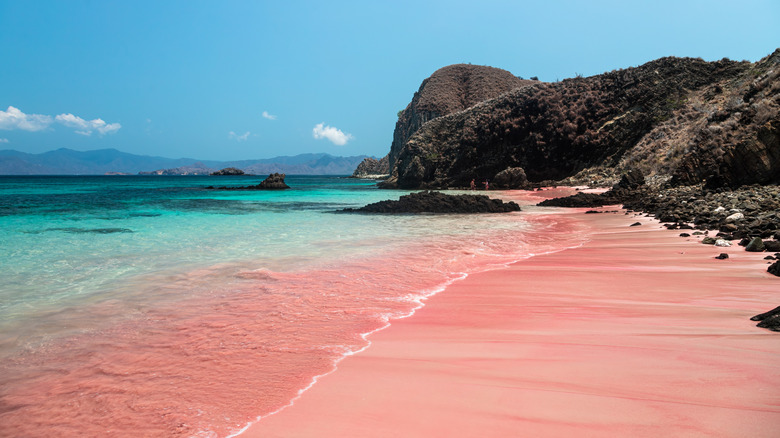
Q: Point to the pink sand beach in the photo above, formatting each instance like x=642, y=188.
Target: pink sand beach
x=639, y=332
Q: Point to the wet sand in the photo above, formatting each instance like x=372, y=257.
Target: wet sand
x=637, y=333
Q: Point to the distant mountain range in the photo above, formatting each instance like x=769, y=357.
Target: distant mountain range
x=111, y=161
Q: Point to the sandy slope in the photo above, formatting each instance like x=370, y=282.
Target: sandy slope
x=639, y=333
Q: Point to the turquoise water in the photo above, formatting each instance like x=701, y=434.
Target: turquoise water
x=150, y=306
x=65, y=238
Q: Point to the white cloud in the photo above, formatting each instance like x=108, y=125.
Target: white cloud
x=13, y=118
x=3, y=140
x=85, y=127
x=269, y=116
x=237, y=137
x=336, y=136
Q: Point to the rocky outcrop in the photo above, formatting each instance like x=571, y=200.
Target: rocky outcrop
x=275, y=181
x=437, y=202
x=694, y=120
x=769, y=320
x=448, y=90
x=373, y=168
x=228, y=171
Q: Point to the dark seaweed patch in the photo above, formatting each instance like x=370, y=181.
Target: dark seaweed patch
x=90, y=230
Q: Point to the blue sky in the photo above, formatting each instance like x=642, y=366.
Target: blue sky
x=256, y=79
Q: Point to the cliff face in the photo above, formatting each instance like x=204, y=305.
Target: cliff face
x=372, y=168
x=449, y=89
x=684, y=117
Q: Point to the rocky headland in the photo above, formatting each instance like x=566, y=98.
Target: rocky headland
x=438, y=202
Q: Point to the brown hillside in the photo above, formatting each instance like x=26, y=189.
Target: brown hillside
x=673, y=116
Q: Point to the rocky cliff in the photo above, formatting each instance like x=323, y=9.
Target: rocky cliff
x=673, y=117
x=449, y=89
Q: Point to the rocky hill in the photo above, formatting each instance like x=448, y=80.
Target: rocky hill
x=449, y=89
x=682, y=119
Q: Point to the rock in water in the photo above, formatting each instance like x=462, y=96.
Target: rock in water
x=274, y=181
x=722, y=256
x=228, y=171
x=437, y=202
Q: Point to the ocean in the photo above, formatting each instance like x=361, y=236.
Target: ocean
x=151, y=306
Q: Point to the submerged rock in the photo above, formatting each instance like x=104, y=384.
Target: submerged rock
x=437, y=202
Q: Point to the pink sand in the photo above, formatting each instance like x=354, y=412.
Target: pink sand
x=639, y=333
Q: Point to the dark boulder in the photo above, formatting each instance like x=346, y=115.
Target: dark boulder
x=631, y=180
x=769, y=320
x=755, y=245
x=722, y=256
x=772, y=245
x=510, y=178
x=774, y=269
x=437, y=202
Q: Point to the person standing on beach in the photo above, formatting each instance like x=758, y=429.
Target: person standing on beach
x=487, y=185
x=473, y=186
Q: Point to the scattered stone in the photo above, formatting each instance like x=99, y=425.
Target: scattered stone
x=708, y=241
x=722, y=256
x=769, y=257
x=685, y=235
x=722, y=243
x=735, y=217
x=636, y=224
x=755, y=245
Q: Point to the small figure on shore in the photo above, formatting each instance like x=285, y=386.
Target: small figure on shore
x=487, y=185
x=473, y=186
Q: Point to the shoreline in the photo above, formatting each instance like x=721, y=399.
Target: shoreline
x=510, y=350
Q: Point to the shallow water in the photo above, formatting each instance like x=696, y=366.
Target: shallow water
x=148, y=306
